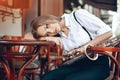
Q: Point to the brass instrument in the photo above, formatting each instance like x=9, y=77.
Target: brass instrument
x=68, y=59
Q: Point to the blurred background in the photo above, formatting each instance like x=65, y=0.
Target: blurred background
x=16, y=15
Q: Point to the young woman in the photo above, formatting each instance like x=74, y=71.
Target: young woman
x=76, y=30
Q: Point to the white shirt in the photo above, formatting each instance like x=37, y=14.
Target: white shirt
x=77, y=35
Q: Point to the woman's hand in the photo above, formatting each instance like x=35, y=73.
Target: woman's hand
x=73, y=53
x=57, y=40
x=76, y=51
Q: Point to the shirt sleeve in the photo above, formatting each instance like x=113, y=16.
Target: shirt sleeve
x=93, y=24
x=67, y=44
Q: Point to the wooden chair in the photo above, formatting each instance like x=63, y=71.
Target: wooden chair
x=114, y=54
x=115, y=64
x=47, y=60
x=20, y=55
x=50, y=61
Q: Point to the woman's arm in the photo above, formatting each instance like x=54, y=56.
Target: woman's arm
x=99, y=39
x=57, y=40
x=29, y=36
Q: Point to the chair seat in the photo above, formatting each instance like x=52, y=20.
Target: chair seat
x=30, y=66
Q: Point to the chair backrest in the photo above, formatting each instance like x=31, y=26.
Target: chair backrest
x=46, y=58
x=114, y=54
x=115, y=68
x=18, y=48
x=51, y=60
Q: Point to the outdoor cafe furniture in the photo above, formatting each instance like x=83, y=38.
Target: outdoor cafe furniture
x=7, y=54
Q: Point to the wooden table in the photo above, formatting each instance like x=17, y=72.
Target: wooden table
x=8, y=44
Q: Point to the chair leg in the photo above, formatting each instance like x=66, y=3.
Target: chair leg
x=33, y=76
x=30, y=76
x=2, y=75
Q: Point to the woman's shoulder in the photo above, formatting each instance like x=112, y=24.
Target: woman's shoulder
x=81, y=11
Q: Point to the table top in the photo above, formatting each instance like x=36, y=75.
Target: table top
x=27, y=42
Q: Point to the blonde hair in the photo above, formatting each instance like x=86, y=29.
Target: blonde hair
x=42, y=20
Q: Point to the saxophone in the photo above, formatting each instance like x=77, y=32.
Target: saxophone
x=68, y=59
x=111, y=42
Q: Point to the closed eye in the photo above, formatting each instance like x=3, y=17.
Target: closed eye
x=47, y=34
x=46, y=26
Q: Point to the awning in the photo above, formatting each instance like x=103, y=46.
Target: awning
x=103, y=4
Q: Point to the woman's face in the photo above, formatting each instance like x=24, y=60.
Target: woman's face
x=49, y=29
